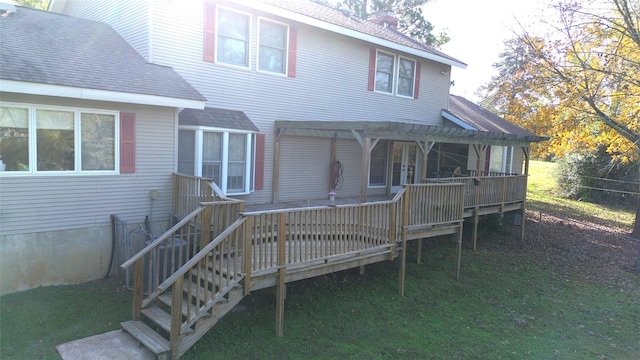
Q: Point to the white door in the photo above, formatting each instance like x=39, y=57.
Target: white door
x=404, y=164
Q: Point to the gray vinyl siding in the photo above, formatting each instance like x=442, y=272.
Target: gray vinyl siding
x=304, y=170
x=36, y=203
x=330, y=84
x=128, y=17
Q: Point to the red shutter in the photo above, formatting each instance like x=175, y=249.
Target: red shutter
x=209, y=32
x=372, y=69
x=259, y=178
x=127, y=143
x=293, y=51
x=416, y=89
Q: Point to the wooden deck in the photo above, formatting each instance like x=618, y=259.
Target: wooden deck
x=192, y=275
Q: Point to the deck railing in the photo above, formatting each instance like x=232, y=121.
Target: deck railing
x=189, y=192
x=489, y=190
x=218, y=248
x=317, y=233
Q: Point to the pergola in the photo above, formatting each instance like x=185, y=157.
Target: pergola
x=369, y=133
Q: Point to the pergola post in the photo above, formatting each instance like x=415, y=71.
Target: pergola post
x=275, y=184
x=333, y=157
x=479, y=149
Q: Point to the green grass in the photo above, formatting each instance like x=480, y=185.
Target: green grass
x=541, y=196
x=507, y=305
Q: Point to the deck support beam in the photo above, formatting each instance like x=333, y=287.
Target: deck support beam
x=458, y=250
x=281, y=282
x=405, y=230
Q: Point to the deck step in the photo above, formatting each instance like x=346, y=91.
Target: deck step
x=167, y=300
x=153, y=341
x=162, y=319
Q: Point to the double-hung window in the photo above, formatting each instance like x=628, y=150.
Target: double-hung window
x=385, y=64
x=393, y=74
x=406, y=77
x=233, y=37
x=223, y=156
x=272, y=47
x=47, y=140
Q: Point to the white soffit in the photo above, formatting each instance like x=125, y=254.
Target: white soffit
x=99, y=95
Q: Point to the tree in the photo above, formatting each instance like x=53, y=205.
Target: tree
x=411, y=21
x=583, y=80
x=37, y=4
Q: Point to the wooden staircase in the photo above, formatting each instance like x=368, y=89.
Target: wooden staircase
x=206, y=295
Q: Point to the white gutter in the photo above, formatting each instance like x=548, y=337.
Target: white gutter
x=457, y=121
x=291, y=15
x=99, y=95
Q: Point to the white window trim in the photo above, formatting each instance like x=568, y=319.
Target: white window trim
x=413, y=88
x=286, y=49
x=393, y=73
x=77, y=141
x=197, y=158
x=249, y=38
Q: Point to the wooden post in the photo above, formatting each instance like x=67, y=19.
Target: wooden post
x=205, y=235
x=393, y=228
x=459, y=251
x=364, y=175
x=276, y=169
x=281, y=285
x=247, y=250
x=405, y=217
x=176, y=318
x=333, y=157
x=419, y=260
x=479, y=149
x=137, y=288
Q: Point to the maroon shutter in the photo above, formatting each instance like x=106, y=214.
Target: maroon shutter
x=293, y=51
x=209, y=32
x=127, y=143
x=416, y=89
x=259, y=178
x=372, y=69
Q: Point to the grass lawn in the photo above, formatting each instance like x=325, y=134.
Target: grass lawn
x=510, y=303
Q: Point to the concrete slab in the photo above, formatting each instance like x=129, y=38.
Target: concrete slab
x=114, y=345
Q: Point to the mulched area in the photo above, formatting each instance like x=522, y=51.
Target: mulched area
x=599, y=253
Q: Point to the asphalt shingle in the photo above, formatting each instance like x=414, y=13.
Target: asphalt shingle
x=47, y=48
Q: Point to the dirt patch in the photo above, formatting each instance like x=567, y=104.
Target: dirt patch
x=596, y=252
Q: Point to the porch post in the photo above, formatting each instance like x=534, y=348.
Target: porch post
x=479, y=149
x=275, y=184
x=334, y=155
x=526, y=153
x=366, y=159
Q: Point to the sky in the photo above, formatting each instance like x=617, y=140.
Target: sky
x=477, y=29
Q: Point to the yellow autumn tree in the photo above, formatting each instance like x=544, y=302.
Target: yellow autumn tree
x=579, y=83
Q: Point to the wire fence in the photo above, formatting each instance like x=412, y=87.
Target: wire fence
x=591, y=226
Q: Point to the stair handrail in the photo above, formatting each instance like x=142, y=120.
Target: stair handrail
x=161, y=238
x=201, y=254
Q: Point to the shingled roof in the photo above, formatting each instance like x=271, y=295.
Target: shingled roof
x=328, y=15
x=218, y=118
x=46, y=48
x=479, y=118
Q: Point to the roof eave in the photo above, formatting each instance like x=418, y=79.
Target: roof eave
x=292, y=15
x=20, y=87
